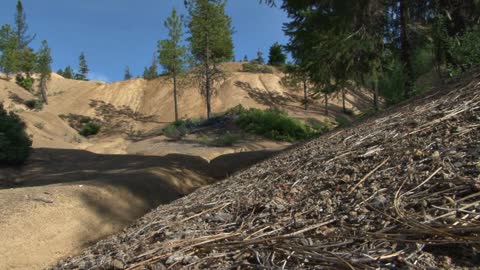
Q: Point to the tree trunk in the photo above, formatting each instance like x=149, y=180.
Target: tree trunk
x=175, y=95
x=43, y=90
x=305, y=94
x=326, y=104
x=405, y=49
x=207, y=75
x=343, y=101
x=375, y=95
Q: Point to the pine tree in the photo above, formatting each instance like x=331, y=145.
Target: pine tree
x=127, y=75
x=296, y=76
x=210, y=42
x=151, y=72
x=9, y=50
x=21, y=27
x=68, y=73
x=171, y=54
x=276, y=56
x=44, y=61
x=60, y=72
x=259, y=60
x=82, y=68
x=245, y=58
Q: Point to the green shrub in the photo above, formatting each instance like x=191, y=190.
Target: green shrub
x=392, y=84
x=342, y=121
x=275, y=124
x=227, y=139
x=90, y=129
x=465, y=51
x=25, y=82
x=176, y=130
x=256, y=68
x=34, y=104
x=15, y=145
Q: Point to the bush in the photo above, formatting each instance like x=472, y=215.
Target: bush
x=34, y=104
x=465, y=51
x=256, y=68
x=227, y=139
x=25, y=82
x=90, y=129
x=176, y=130
x=275, y=124
x=15, y=145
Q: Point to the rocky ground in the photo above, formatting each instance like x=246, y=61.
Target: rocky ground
x=399, y=191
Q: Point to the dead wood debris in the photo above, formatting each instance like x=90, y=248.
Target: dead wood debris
x=397, y=192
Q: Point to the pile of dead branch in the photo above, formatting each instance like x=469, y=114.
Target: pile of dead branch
x=400, y=191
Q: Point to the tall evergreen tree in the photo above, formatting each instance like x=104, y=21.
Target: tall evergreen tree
x=171, y=54
x=82, y=68
x=259, y=60
x=151, y=72
x=127, y=75
x=276, y=56
x=210, y=42
x=245, y=58
x=21, y=27
x=44, y=61
x=9, y=50
x=68, y=73
x=296, y=76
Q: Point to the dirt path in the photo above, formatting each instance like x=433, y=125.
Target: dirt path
x=67, y=199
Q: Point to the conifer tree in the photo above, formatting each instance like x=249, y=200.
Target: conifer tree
x=245, y=58
x=210, y=42
x=21, y=27
x=151, y=72
x=82, y=68
x=9, y=50
x=276, y=56
x=127, y=75
x=68, y=73
x=260, y=60
x=44, y=61
x=172, y=54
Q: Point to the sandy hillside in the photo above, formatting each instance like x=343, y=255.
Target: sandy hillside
x=75, y=191
x=397, y=191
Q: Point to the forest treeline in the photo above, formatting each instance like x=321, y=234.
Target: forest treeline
x=383, y=45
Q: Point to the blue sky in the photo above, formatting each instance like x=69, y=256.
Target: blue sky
x=117, y=33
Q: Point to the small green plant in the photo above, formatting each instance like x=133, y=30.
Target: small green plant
x=34, y=104
x=15, y=144
x=342, y=121
x=39, y=125
x=256, y=68
x=90, y=129
x=25, y=82
x=227, y=139
x=176, y=130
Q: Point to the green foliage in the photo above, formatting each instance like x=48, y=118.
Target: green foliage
x=176, y=130
x=245, y=58
x=256, y=68
x=127, y=75
x=68, y=73
x=82, y=68
x=25, y=82
x=151, y=72
x=9, y=49
x=34, y=104
x=392, y=83
x=15, y=144
x=90, y=129
x=21, y=27
x=208, y=21
x=227, y=139
x=342, y=121
x=276, y=56
x=44, y=61
x=465, y=50
x=259, y=60
x=171, y=54
x=275, y=124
